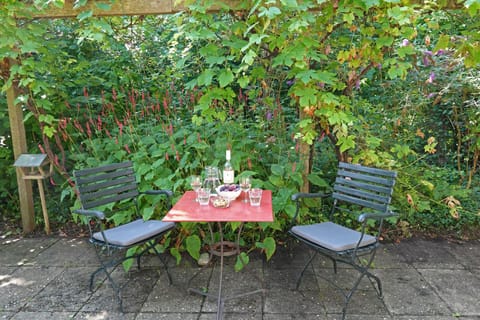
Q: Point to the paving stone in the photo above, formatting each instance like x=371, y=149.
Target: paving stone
x=24, y=284
x=68, y=291
x=48, y=278
x=105, y=315
x=248, y=280
x=390, y=256
x=289, y=316
x=467, y=254
x=293, y=302
x=458, y=288
x=167, y=316
x=407, y=293
x=39, y=315
x=351, y=316
x=173, y=299
x=428, y=254
x=452, y=317
x=6, y=315
x=20, y=251
x=71, y=252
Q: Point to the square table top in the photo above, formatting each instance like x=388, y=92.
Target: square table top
x=188, y=210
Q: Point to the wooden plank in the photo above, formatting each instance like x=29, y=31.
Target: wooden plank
x=120, y=8
x=144, y=7
x=19, y=141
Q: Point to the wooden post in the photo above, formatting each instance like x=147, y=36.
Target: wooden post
x=19, y=141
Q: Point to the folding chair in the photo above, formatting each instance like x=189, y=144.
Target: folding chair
x=359, y=190
x=114, y=186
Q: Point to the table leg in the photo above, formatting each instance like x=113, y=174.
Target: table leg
x=213, y=251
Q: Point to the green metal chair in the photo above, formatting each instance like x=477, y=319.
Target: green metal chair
x=114, y=185
x=365, y=192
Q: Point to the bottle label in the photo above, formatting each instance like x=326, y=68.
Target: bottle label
x=228, y=176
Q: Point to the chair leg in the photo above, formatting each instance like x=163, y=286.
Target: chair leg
x=151, y=245
x=363, y=270
x=378, y=287
x=299, y=279
x=334, y=265
x=165, y=265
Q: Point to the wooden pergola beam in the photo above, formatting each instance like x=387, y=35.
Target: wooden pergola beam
x=146, y=7
x=119, y=8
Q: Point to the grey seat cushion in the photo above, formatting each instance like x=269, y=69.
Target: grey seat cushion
x=133, y=232
x=332, y=236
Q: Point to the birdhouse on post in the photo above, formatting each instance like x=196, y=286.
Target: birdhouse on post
x=36, y=167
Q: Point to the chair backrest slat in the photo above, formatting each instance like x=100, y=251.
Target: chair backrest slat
x=364, y=186
x=106, y=184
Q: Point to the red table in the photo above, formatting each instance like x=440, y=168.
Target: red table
x=188, y=210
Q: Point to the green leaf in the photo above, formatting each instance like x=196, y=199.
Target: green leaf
x=79, y=3
x=243, y=81
x=103, y=6
x=442, y=43
x=148, y=213
x=193, y=244
x=85, y=15
x=289, y=3
x=205, y=78
x=242, y=260
x=278, y=170
x=371, y=3
x=316, y=180
x=127, y=264
x=176, y=254
x=268, y=245
x=346, y=143
x=270, y=13
x=276, y=180
x=249, y=57
x=384, y=41
x=225, y=78
x=307, y=96
x=49, y=131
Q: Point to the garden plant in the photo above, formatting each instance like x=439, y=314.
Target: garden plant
x=291, y=87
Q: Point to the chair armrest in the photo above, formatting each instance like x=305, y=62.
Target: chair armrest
x=377, y=216
x=297, y=196
x=168, y=193
x=91, y=213
x=300, y=195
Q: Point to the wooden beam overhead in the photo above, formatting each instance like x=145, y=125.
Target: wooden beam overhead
x=118, y=8
x=144, y=7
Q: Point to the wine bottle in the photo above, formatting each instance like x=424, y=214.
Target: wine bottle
x=228, y=172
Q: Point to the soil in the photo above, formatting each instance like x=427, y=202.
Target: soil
x=68, y=230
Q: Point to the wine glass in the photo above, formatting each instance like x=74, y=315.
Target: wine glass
x=245, y=184
x=196, y=184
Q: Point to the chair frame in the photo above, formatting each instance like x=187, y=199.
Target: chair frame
x=365, y=188
x=109, y=185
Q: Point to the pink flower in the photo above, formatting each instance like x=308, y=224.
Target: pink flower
x=431, y=78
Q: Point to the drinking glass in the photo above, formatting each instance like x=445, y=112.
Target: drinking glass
x=203, y=196
x=255, y=195
x=245, y=184
x=196, y=184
